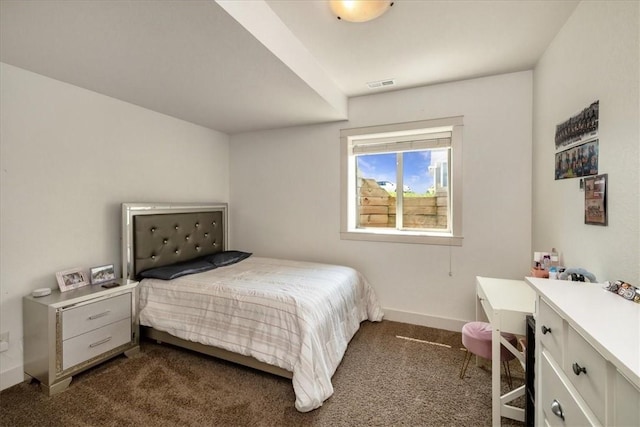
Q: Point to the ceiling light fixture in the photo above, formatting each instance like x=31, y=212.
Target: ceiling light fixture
x=359, y=10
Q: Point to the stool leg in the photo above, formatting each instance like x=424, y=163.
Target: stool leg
x=465, y=363
x=507, y=371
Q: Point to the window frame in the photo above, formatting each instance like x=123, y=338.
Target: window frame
x=348, y=231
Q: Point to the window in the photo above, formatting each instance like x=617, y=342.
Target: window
x=402, y=182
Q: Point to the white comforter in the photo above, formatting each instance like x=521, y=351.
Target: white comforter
x=296, y=315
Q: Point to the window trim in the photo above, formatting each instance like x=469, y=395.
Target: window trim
x=347, y=180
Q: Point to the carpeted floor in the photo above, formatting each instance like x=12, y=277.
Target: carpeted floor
x=382, y=381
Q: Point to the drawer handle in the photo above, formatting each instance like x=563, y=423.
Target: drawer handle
x=556, y=408
x=545, y=330
x=577, y=369
x=97, y=316
x=95, y=344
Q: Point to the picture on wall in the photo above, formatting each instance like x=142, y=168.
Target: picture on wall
x=576, y=143
x=581, y=160
x=595, y=200
x=581, y=127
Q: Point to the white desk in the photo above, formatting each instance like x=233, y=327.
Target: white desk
x=506, y=304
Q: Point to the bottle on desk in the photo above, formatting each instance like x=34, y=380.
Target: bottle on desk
x=555, y=258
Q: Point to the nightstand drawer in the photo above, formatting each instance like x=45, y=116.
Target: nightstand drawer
x=559, y=406
x=587, y=371
x=551, y=330
x=78, y=320
x=86, y=346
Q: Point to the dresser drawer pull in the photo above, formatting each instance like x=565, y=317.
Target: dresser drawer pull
x=556, y=408
x=545, y=330
x=95, y=344
x=97, y=316
x=577, y=369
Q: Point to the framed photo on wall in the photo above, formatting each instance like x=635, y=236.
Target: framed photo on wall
x=595, y=200
x=71, y=279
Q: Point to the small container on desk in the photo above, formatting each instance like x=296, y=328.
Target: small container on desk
x=540, y=273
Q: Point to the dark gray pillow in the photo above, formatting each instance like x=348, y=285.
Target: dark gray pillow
x=173, y=271
x=220, y=259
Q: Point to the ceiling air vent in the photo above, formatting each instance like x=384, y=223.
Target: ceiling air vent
x=381, y=83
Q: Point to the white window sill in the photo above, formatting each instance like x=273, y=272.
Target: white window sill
x=402, y=237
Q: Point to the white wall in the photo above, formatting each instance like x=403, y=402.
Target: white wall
x=69, y=158
x=594, y=57
x=285, y=197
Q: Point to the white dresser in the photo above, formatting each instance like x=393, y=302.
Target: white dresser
x=587, y=363
x=66, y=333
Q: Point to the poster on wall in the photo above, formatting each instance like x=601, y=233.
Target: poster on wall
x=581, y=160
x=595, y=200
x=577, y=142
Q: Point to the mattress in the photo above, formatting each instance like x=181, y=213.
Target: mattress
x=299, y=316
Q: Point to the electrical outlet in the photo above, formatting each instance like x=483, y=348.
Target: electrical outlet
x=4, y=336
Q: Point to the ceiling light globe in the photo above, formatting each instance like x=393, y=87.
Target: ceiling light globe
x=359, y=10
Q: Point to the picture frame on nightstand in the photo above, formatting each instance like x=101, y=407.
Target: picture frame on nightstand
x=71, y=279
x=102, y=274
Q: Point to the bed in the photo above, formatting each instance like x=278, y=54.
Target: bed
x=289, y=318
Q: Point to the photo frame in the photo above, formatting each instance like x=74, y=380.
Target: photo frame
x=595, y=200
x=102, y=274
x=71, y=279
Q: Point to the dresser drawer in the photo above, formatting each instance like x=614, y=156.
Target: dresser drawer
x=86, y=346
x=587, y=371
x=626, y=403
x=559, y=406
x=551, y=330
x=78, y=320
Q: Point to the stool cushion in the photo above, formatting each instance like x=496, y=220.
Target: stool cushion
x=476, y=337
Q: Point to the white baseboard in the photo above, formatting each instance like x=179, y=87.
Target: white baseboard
x=11, y=377
x=424, y=320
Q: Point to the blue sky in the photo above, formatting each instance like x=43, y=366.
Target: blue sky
x=382, y=167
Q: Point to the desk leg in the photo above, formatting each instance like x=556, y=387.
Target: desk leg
x=495, y=369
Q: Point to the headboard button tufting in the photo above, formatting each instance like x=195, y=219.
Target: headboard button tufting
x=160, y=239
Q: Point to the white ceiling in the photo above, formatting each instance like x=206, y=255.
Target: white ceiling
x=238, y=66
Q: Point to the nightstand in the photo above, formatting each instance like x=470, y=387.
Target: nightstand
x=68, y=332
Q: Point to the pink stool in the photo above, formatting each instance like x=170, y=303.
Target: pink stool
x=476, y=337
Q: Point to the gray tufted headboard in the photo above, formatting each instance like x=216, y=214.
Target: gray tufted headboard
x=159, y=234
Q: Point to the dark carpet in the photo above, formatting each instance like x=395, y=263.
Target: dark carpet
x=382, y=381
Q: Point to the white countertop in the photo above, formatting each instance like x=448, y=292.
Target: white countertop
x=608, y=321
